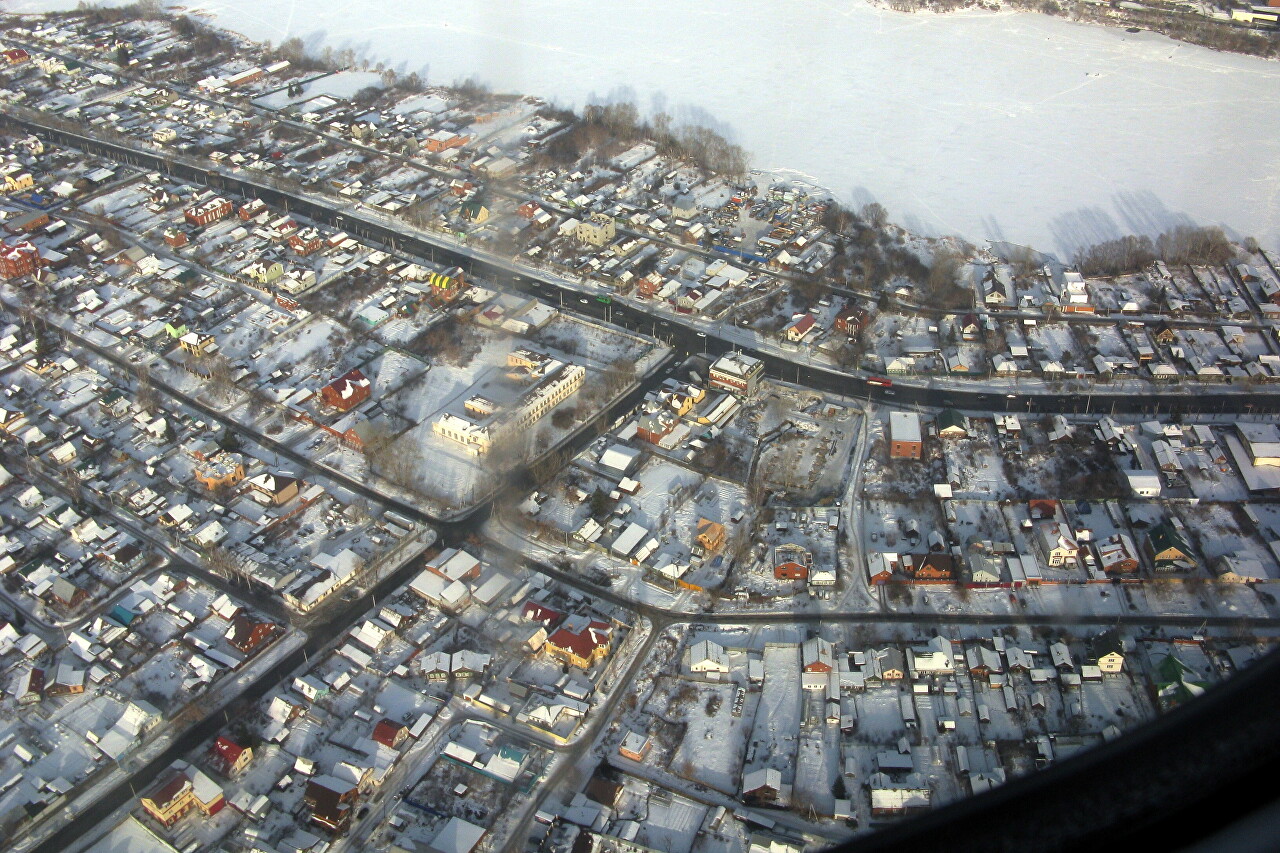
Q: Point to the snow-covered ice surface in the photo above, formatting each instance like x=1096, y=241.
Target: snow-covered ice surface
x=1011, y=126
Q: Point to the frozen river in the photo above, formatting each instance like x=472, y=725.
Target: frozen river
x=1012, y=126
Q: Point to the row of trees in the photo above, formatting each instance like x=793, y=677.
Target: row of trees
x=1182, y=245
x=604, y=128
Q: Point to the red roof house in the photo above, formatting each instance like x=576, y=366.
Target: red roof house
x=390, y=733
x=580, y=646
x=540, y=613
x=228, y=757
x=347, y=391
x=249, y=635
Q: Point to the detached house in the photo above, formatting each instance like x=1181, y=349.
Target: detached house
x=347, y=391
x=208, y=211
x=223, y=469
x=800, y=329
x=180, y=794
x=761, y=787
x=228, y=757
x=1167, y=549
x=579, y=642
x=390, y=733
x=331, y=801
x=273, y=489
x=1116, y=555
x=1107, y=652
x=1059, y=543
x=983, y=662
x=18, y=260
x=306, y=242
x=635, y=746
x=791, y=562
x=710, y=536
x=249, y=635
x=904, y=436
x=597, y=230
x=952, y=424
x=933, y=566
x=707, y=659
x=818, y=661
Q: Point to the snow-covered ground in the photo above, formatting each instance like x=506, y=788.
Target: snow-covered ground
x=1008, y=125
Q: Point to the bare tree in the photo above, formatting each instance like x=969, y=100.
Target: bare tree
x=874, y=214
x=220, y=377
x=144, y=389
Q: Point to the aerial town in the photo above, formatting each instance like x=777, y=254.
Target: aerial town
x=401, y=468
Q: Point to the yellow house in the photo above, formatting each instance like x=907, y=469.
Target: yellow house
x=579, y=645
x=263, y=273
x=18, y=182
x=197, y=344
x=224, y=469
x=710, y=535
x=597, y=230
x=183, y=792
x=682, y=402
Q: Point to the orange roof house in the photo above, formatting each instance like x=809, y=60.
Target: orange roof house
x=710, y=535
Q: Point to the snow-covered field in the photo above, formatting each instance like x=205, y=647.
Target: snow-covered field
x=1010, y=126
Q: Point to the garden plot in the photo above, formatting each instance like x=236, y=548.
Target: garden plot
x=392, y=372
x=342, y=84
x=896, y=479
x=1110, y=343
x=253, y=328
x=714, y=737
x=817, y=765
x=880, y=716
x=975, y=468
x=159, y=680
x=1254, y=343
x=485, y=796
x=664, y=489
x=886, y=525
x=1054, y=339
x=809, y=460
x=1269, y=516
x=446, y=385
x=1068, y=470
x=1207, y=343
x=978, y=520
x=777, y=720
x=310, y=351
x=1217, y=529
x=1216, y=484
x=73, y=391
x=1111, y=702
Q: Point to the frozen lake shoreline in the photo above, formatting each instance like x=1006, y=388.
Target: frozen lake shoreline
x=993, y=126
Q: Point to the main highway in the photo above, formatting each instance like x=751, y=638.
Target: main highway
x=691, y=335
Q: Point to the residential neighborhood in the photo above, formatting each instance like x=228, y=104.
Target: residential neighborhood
x=407, y=467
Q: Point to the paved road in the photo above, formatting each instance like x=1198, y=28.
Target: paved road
x=690, y=335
